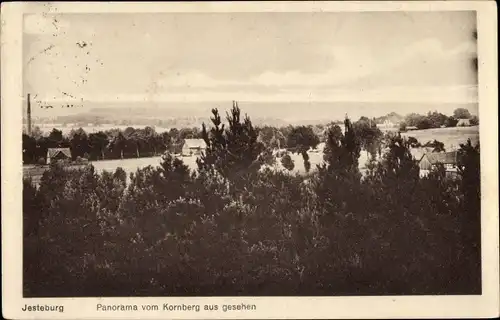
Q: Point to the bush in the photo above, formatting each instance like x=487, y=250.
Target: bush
x=287, y=162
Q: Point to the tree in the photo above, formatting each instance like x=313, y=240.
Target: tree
x=117, y=144
x=302, y=138
x=413, y=119
x=368, y=134
x=175, y=140
x=165, y=141
x=56, y=139
x=29, y=149
x=307, y=163
x=151, y=140
x=189, y=133
x=424, y=123
x=451, y=122
x=413, y=142
x=98, y=143
x=339, y=176
x=469, y=167
x=437, y=146
x=134, y=140
x=287, y=162
x=80, y=144
x=271, y=137
x=342, y=149
x=474, y=121
x=231, y=151
x=36, y=132
x=437, y=119
x=461, y=113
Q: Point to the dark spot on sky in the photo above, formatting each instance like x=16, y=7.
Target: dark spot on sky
x=82, y=44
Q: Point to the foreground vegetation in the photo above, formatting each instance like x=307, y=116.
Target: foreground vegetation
x=233, y=227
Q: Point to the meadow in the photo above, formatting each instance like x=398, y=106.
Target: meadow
x=451, y=137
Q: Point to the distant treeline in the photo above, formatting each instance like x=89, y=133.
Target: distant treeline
x=233, y=227
x=146, y=142
x=109, y=144
x=437, y=120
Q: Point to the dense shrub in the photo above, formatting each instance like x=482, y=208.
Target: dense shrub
x=287, y=162
x=235, y=227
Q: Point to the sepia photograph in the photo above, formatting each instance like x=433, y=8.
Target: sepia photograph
x=246, y=153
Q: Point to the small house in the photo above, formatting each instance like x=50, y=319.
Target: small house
x=431, y=160
x=193, y=147
x=386, y=124
x=55, y=154
x=463, y=123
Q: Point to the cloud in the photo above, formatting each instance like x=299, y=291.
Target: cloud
x=431, y=94
x=352, y=64
x=195, y=80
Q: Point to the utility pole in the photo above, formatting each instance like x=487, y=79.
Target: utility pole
x=29, y=115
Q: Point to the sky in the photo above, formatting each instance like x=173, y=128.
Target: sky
x=404, y=57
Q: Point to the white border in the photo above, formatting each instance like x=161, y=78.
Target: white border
x=486, y=305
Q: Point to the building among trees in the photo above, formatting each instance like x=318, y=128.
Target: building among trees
x=463, y=123
x=193, y=147
x=387, y=124
x=431, y=160
x=55, y=154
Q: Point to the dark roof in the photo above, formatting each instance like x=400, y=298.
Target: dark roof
x=442, y=157
x=418, y=153
x=52, y=152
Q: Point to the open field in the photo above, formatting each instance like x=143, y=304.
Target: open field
x=451, y=137
x=131, y=165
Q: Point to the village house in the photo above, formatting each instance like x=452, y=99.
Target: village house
x=193, y=147
x=463, y=123
x=387, y=124
x=431, y=160
x=55, y=154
